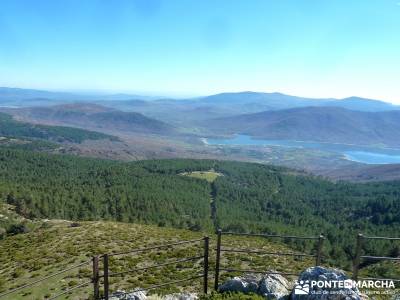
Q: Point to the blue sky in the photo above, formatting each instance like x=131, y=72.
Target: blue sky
x=315, y=48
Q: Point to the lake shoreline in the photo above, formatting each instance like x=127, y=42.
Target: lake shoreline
x=355, y=153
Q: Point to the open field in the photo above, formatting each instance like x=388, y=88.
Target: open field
x=210, y=176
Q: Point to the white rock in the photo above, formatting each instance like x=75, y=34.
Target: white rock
x=181, y=296
x=136, y=295
x=275, y=287
x=246, y=284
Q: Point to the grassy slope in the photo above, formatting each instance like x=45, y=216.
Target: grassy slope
x=56, y=245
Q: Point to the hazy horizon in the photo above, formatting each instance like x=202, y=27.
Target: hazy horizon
x=313, y=49
x=176, y=95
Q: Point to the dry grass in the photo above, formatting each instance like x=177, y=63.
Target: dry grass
x=57, y=245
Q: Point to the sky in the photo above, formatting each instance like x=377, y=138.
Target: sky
x=310, y=48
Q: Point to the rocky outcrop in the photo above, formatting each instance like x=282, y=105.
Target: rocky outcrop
x=277, y=287
x=271, y=286
x=246, y=284
x=141, y=295
x=122, y=295
x=181, y=296
x=274, y=286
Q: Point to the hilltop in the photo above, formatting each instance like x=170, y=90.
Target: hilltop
x=11, y=128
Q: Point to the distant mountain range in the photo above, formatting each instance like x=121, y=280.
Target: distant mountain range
x=189, y=111
x=30, y=97
x=232, y=102
x=265, y=115
x=276, y=101
x=174, y=127
x=321, y=124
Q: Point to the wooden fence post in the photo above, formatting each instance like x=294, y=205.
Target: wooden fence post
x=205, y=265
x=217, y=261
x=356, y=265
x=105, y=266
x=319, y=250
x=96, y=293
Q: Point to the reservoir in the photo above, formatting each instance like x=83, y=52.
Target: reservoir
x=362, y=154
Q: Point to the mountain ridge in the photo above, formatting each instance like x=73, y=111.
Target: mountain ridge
x=275, y=100
x=319, y=124
x=90, y=115
x=282, y=101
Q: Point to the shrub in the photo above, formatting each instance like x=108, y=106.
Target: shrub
x=72, y=283
x=17, y=229
x=2, y=233
x=18, y=272
x=45, y=225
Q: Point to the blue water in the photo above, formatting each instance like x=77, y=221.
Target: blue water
x=372, y=158
x=363, y=154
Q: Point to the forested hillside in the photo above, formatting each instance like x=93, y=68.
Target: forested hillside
x=247, y=197
x=75, y=188
x=15, y=129
x=92, y=116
